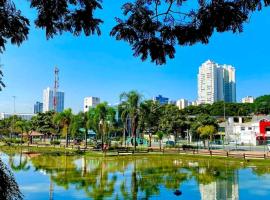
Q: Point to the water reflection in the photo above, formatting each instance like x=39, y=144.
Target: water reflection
x=133, y=177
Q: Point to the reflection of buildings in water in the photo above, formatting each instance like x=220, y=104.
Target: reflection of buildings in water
x=222, y=189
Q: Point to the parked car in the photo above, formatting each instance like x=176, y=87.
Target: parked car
x=169, y=143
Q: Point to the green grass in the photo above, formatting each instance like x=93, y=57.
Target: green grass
x=61, y=151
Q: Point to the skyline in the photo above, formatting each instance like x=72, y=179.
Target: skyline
x=105, y=67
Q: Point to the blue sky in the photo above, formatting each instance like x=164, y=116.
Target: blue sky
x=104, y=67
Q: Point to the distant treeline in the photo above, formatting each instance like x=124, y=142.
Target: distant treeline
x=260, y=106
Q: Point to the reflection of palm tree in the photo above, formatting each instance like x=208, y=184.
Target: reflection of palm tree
x=134, y=181
x=22, y=166
x=51, y=188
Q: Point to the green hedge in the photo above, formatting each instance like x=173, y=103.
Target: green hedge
x=13, y=140
x=55, y=142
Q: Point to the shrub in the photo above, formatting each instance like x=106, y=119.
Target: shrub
x=187, y=147
x=13, y=140
x=55, y=142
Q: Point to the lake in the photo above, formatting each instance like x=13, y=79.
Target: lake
x=44, y=176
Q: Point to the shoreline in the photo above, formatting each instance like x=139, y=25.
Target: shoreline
x=44, y=150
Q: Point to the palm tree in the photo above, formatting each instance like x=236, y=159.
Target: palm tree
x=104, y=118
x=160, y=135
x=64, y=120
x=86, y=120
x=131, y=108
x=24, y=127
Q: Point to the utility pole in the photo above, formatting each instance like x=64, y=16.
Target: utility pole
x=14, y=111
x=225, y=123
x=56, y=86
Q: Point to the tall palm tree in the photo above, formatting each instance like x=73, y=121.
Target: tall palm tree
x=131, y=106
x=23, y=127
x=64, y=120
x=104, y=117
x=86, y=119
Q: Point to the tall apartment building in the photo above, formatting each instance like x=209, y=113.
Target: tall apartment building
x=162, y=100
x=248, y=99
x=182, y=103
x=48, y=100
x=90, y=102
x=216, y=83
x=38, y=107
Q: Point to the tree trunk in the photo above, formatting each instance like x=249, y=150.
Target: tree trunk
x=160, y=144
x=102, y=141
x=150, y=139
x=21, y=138
x=67, y=138
x=86, y=135
x=134, y=134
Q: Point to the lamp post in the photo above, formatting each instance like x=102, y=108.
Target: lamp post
x=13, y=119
x=101, y=129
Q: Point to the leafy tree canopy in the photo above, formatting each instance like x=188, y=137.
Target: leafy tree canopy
x=152, y=27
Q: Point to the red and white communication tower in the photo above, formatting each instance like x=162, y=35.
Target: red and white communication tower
x=56, y=86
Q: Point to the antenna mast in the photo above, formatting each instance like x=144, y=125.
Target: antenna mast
x=56, y=86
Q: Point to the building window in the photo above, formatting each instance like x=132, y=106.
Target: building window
x=250, y=128
x=242, y=128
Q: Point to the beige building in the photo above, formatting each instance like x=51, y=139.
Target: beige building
x=248, y=99
x=182, y=103
x=90, y=102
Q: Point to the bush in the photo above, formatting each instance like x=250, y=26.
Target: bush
x=55, y=142
x=13, y=140
x=187, y=147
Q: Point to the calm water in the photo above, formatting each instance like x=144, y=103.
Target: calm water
x=74, y=177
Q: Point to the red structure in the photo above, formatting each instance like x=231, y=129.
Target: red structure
x=264, y=127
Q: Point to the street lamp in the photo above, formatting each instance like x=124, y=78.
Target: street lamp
x=13, y=119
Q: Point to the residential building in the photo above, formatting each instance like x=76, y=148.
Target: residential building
x=194, y=103
x=216, y=83
x=162, y=100
x=90, y=102
x=48, y=100
x=24, y=116
x=38, y=107
x=254, y=132
x=182, y=103
x=172, y=102
x=248, y=99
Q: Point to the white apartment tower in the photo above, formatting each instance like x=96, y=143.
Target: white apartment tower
x=216, y=83
x=48, y=96
x=90, y=102
x=182, y=103
x=248, y=99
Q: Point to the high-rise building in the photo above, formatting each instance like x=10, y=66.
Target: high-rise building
x=90, y=102
x=194, y=103
x=182, y=103
x=162, y=100
x=216, y=83
x=248, y=99
x=38, y=107
x=48, y=100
